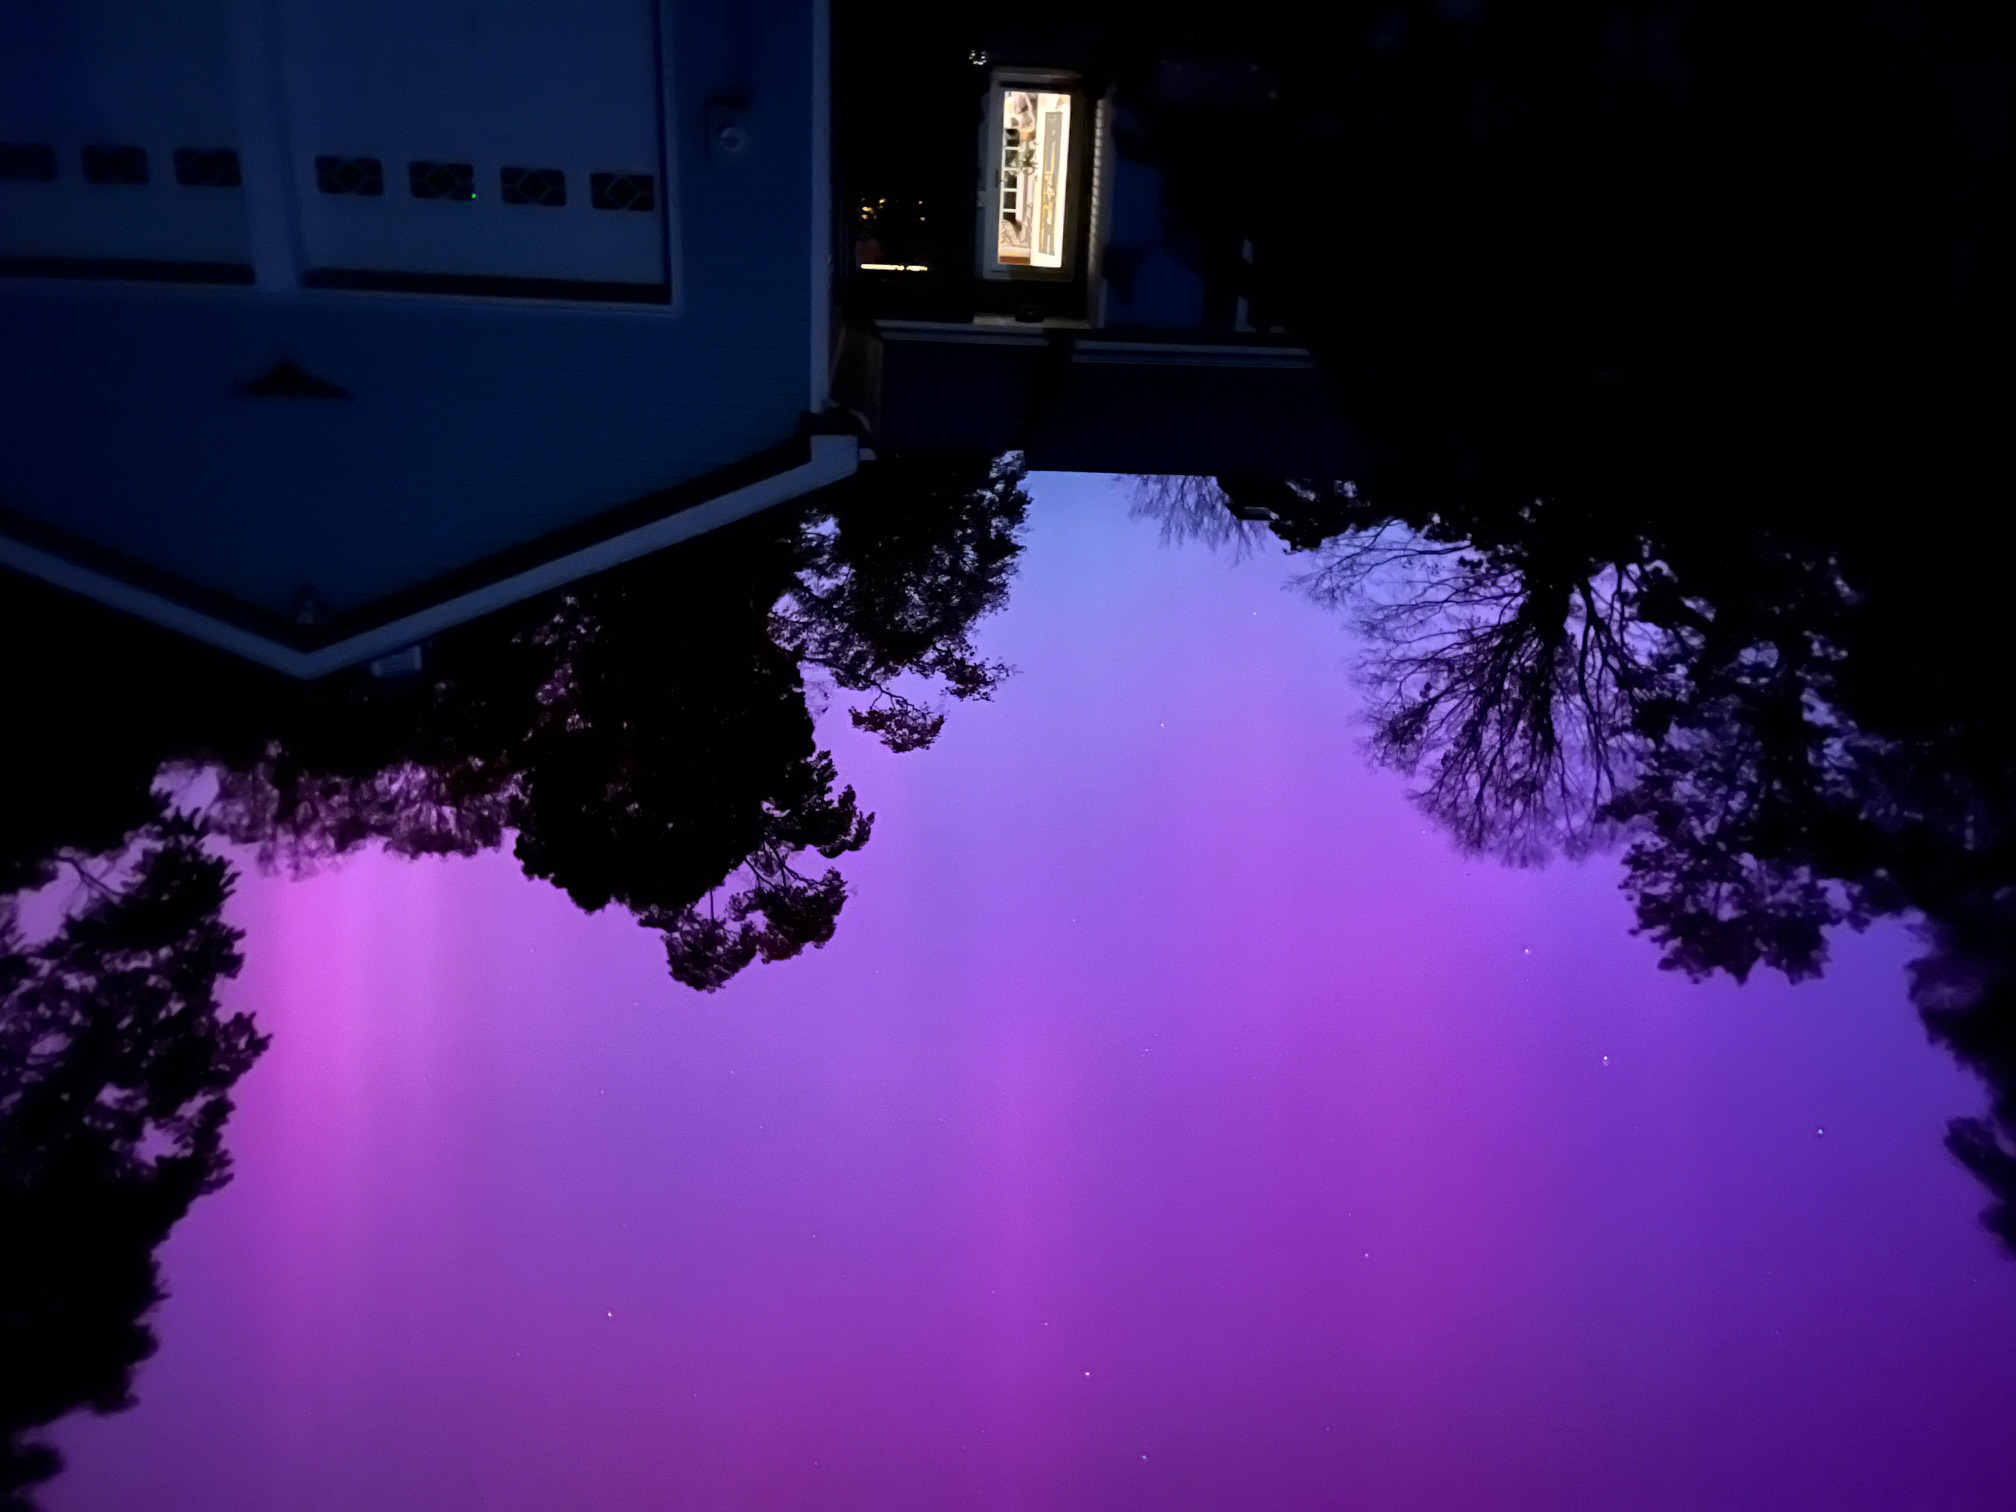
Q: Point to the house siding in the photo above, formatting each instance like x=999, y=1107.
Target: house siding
x=473, y=425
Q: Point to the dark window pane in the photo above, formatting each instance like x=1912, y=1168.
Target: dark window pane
x=115, y=165
x=28, y=160
x=350, y=175
x=443, y=181
x=534, y=186
x=622, y=191
x=207, y=168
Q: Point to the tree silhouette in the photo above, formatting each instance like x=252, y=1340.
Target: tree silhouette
x=1753, y=793
x=1508, y=678
x=646, y=735
x=1791, y=726
x=893, y=581
x=1507, y=674
x=1627, y=255
x=1965, y=989
x=1201, y=509
x=116, y=1065
x=643, y=739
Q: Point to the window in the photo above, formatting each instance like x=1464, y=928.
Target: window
x=1035, y=179
x=622, y=191
x=534, y=186
x=350, y=175
x=1035, y=168
x=35, y=161
x=208, y=168
x=442, y=181
x=115, y=165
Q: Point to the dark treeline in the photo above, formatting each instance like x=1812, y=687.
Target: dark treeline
x=644, y=739
x=1672, y=334
x=1673, y=337
x=116, y=1065
x=1787, y=731
x=1625, y=251
x=1633, y=252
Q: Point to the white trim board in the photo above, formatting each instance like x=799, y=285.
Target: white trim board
x=833, y=458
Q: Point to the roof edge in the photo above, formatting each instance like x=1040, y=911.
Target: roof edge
x=832, y=458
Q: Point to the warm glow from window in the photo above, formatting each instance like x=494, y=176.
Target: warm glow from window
x=1035, y=178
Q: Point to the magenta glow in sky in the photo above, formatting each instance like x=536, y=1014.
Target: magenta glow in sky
x=1174, y=1123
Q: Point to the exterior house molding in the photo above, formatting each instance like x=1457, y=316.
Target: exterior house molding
x=822, y=460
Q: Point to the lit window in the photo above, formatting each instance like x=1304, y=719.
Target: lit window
x=1035, y=178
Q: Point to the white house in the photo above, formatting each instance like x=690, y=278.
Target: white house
x=326, y=324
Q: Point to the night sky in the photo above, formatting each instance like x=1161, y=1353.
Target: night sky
x=1175, y=1122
